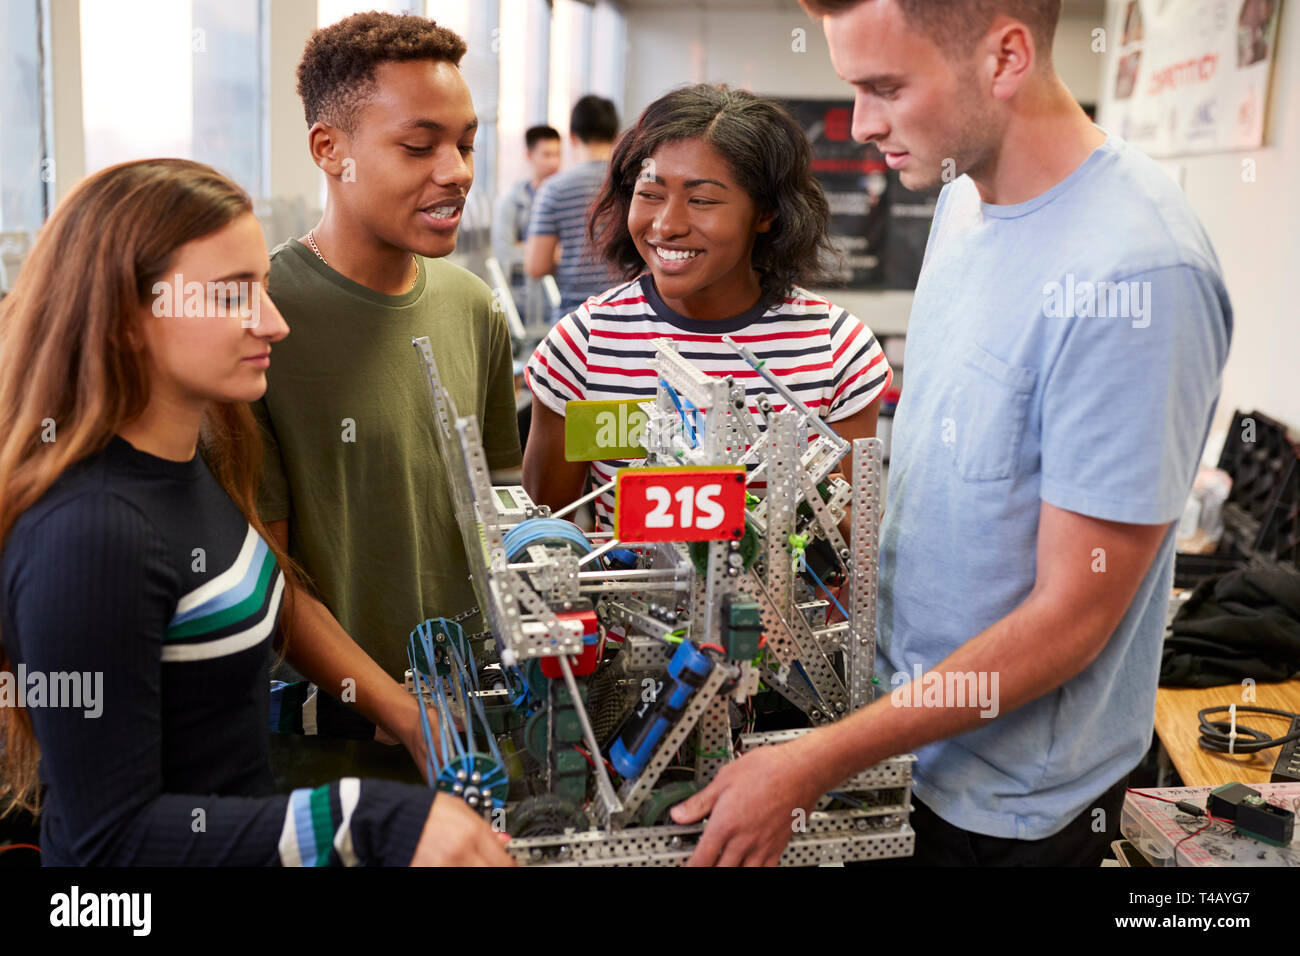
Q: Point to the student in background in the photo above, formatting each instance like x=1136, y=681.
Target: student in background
x=353, y=485
x=711, y=213
x=557, y=233
x=514, y=209
x=135, y=561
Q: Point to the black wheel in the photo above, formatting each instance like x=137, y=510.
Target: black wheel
x=544, y=815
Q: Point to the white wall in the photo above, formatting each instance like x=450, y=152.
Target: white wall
x=66, y=126
x=1253, y=226
x=1075, y=61
x=756, y=49
x=293, y=175
x=753, y=48
x=1254, y=230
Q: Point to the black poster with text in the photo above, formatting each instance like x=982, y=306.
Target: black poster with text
x=879, y=226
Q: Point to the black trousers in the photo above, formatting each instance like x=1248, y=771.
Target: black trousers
x=939, y=843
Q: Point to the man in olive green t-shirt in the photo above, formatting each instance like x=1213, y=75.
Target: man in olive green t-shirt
x=351, y=458
x=353, y=484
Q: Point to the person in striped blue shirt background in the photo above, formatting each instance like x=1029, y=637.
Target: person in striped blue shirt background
x=712, y=216
x=561, y=207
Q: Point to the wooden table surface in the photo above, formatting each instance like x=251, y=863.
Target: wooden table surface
x=1176, y=724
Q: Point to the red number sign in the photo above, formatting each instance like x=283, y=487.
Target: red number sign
x=680, y=504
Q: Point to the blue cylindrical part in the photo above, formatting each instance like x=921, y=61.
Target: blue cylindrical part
x=545, y=531
x=641, y=732
x=620, y=558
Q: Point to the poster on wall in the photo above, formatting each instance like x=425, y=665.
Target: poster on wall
x=1189, y=76
x=878, y=226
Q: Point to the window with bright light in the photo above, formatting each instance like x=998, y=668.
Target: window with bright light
x=452, y=14
x=168, y=78
x=332, y=11
x=523, y=58
x=570, y=59
x=609, y=53
x=588, y=53
x=24, y=173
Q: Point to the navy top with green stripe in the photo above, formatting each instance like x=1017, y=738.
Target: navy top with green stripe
x=140, y=575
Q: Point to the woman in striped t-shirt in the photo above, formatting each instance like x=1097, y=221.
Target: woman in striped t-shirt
x=712, y=190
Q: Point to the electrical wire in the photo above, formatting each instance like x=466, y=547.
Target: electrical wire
x=585, y=754
x=826, y=591
x=1188, y=808
x=466, y=752
x=474, y=703
x=1207, y=825
x=1150, y=796
x=525, y=693
x=687, y=423
x=1217, y=735
x=609, y=766
x=437, y=691
x=425, y=730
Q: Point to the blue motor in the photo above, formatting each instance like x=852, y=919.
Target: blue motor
x=646, y=725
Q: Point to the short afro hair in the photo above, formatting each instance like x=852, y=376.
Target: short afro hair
x=336, y=75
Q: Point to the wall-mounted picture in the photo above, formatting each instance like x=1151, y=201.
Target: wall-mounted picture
x=1189, y=76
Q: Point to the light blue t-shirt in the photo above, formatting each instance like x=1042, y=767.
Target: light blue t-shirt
x=1066, y=349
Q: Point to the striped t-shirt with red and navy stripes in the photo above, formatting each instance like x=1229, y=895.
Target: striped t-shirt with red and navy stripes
x=602, y=351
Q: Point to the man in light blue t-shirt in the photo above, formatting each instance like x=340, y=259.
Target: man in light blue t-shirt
x=1063, y=362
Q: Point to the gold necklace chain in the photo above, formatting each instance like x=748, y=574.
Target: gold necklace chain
x=311, y=241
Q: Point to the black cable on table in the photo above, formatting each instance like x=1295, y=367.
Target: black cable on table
x=1214, y=733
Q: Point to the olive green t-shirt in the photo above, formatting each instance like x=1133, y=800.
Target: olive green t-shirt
x=351, y=458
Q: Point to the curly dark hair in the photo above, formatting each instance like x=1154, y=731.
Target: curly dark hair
x=336, y=75
x=769, y=155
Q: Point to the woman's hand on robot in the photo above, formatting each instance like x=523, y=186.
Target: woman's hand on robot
x=454, y=835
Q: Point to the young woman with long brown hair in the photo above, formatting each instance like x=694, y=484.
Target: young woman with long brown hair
x=134, y=568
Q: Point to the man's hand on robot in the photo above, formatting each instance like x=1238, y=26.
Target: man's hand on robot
x=454, y=835
x=411, y=736
x=754, y=806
